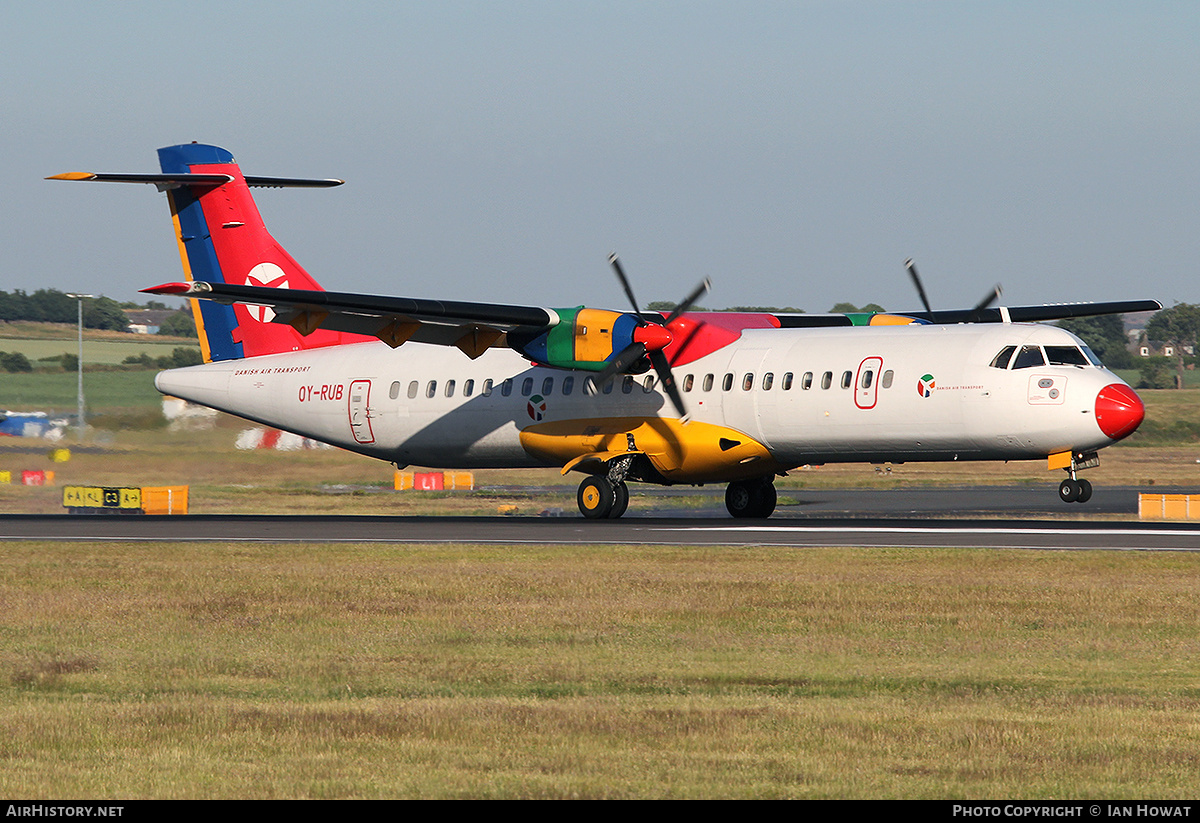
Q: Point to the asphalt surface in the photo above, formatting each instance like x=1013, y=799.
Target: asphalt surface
x=1008, y=517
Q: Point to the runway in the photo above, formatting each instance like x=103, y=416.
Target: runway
x=986, y=517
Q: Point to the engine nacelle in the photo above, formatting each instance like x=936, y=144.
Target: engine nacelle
x=583, y=338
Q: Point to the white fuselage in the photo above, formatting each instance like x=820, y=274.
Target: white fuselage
x=805, y=394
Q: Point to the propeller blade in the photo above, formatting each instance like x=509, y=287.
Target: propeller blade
x=663, y=368
x=991, y=298
x=696, y=294
x=624, y=359
x=616, y=264
x=912, y=272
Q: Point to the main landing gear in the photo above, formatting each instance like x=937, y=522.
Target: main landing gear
x=601, y=498
x=751, y=498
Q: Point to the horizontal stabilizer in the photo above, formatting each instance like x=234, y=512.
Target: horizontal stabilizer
x=176, y=180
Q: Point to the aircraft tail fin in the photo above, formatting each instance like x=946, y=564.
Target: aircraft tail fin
x=222, y=239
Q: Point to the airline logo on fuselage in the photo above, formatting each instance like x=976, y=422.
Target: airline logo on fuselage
x=536, y=407
x=925, y=385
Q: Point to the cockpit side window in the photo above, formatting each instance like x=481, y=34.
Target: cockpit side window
x=1065, y=356
x=1000, y=361
x=1029, y=357
x=1091, y=355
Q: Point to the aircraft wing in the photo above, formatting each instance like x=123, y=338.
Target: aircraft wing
x=1009, y=314
x=472, y=327
x=475, y=327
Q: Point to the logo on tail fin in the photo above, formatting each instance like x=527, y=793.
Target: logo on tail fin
x=271, y=276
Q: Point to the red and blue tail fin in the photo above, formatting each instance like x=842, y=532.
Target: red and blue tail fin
x=222, y=239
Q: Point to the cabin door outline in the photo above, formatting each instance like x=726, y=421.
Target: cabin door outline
x=359, y=411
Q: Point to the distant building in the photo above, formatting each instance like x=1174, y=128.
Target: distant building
x=147, y=321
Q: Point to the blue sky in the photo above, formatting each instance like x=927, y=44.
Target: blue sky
x=796, y=153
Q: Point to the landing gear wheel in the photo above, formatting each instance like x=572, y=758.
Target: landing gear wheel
x=595, y=497
x=1085, y=491
x=1069, y=490
x=751, y=498
x=620, y=501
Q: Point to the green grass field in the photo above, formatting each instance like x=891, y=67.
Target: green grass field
x=55, y=392
x=41, y=340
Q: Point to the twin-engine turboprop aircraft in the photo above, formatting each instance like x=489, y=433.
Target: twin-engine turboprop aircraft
x=690, y=397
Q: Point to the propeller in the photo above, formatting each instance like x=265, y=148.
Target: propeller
x=911, y=268
x=650, y=338
x=976, y=313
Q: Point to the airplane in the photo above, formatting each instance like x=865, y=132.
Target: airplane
x=689, y=397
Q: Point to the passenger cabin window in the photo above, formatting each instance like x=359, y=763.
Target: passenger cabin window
x=527, y=387
x=1029, y=357
x=486, y=391
x=727, y=383
x=648, y=384
x=568, y=385
x=547, y=386
x=449, y=388
x=827, y=380
x=608, y=386
x=787, y=382
x=468, y=388
x=768, y=381
x=748, y=382
x=687, y=382
x=394, y=392
x=431, y=389
x=413, y=388
x=627, y=384
x=847, y=379
x=1000, y=361
x=806, y=381
x=867, y=377
x=506, y=387
x=1065, y=356
x=708, y=382
x=887, y=379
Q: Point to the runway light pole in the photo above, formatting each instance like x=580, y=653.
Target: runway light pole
x=79, y=365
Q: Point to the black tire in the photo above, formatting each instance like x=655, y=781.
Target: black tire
x=620, y=501
x=595, y=497
x=1085, y=491
x=739, y=499
x=1068, y=491
x=767, y=498
x=751, y=498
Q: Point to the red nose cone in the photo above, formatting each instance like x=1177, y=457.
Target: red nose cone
x=652, y=336
x=1118, y=411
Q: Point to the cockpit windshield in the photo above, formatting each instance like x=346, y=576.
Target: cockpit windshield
x=1065, y=356
x=1028, y=357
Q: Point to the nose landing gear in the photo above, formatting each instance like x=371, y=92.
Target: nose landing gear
x=1073, y=489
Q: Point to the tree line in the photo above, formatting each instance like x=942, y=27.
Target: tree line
x=54, y=306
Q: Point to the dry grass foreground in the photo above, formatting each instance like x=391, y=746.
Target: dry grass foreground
x=296, y=671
